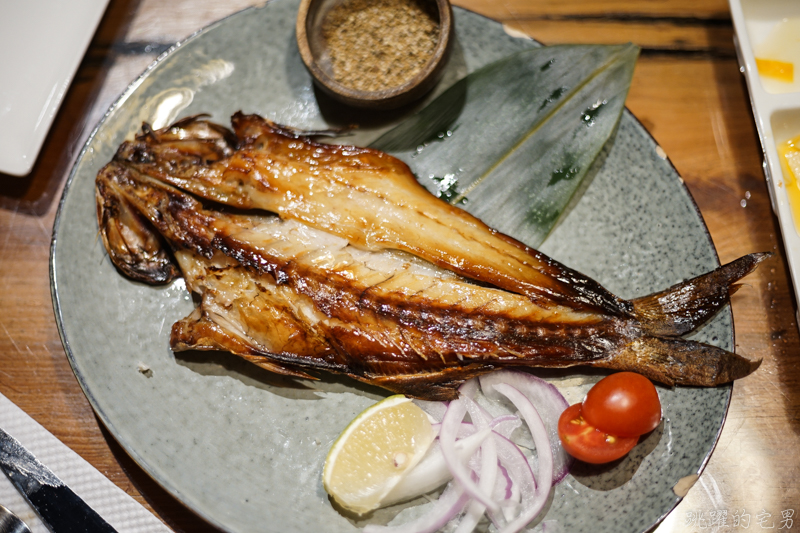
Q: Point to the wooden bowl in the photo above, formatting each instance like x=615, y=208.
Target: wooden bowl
x=314, y=51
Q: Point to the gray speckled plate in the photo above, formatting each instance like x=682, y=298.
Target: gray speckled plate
x=244, y=448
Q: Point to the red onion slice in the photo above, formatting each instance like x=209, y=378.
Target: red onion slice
x=547, y=400
x=450, y=503
x=505, y=425
x=490, y=475
x=503, y=485
x=447, y=437
x=523, y=484
x=465, y=429
x=435, y=409
x=488, y=468
x=469, y=389
x=510, y=506
x=531, y=506
x=432, y=471
x=517, y=465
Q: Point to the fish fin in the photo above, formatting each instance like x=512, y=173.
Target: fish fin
x=417, y=388
x=197, y=332
x=680, y=362
x=189, y=137
x=687, y=305
x=265, y=363
x=248, y=127
x=132, y=243
x=437, y=385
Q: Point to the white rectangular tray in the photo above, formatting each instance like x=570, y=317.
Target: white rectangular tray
x=777, y=116
x=42, y=43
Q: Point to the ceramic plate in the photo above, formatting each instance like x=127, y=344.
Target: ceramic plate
x=245, y=448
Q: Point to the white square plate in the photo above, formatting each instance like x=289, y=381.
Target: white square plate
x=41, y=45
x=776, y=112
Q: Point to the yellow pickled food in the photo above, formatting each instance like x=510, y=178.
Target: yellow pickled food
x=789, y=153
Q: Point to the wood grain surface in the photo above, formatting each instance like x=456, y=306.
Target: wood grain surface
x=687, y=91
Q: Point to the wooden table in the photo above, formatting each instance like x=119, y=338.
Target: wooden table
x=687, y=91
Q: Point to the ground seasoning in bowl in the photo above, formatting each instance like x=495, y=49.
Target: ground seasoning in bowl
x=380, y=44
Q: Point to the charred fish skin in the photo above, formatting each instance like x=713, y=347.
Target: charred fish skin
x=138, y=251
x=400, y=340
x=271, y=168
x=340, y=308
x=352, y=290
x=680, y=362
x=685, y=306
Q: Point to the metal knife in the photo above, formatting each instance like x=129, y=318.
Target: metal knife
x=61, y=510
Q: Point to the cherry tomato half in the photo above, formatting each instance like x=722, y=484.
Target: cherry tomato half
x=588, y=444
x=624, y=404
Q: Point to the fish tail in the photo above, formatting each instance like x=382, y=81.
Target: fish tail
x=686, y=306
x=680, y=362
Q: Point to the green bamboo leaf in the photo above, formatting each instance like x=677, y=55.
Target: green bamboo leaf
x=513, y=141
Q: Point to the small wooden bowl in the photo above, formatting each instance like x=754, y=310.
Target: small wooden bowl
x=313, y=50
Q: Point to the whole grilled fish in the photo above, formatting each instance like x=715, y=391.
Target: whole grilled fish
x=337, y=259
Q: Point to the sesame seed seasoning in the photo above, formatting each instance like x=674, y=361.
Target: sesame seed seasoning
x=380, y=44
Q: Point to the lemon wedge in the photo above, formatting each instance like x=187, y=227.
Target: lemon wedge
x=375, y=451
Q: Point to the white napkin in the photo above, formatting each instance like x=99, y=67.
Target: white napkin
x=120, y=510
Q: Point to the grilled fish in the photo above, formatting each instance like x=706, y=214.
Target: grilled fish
x=336, y=259
x=367, y=197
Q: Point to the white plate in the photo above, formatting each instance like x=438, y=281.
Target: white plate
x=42, y=43
x=777, y=115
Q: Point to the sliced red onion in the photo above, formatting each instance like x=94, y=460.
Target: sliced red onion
x=502, y=424
x=505, y=425
x=475, y=511
x=502, y=485
x=465, y=430
x=500, y=467
x=450, y=503
x=469, y=388
x=435, y=409
x=507, y=493
x=523, y=485
x=510, y=507
x=447, y=437
x=531, y=506
x=432, y=471
x=517, y=465
x=479, y=417
x=488, y=468
x=547, y=400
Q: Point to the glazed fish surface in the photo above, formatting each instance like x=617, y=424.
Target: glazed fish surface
x=334, y=258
